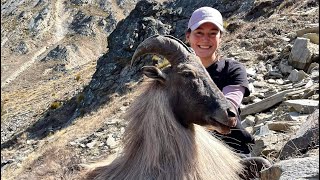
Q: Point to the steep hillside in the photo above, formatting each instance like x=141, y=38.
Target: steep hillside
x=49, y=52
x=66, y=79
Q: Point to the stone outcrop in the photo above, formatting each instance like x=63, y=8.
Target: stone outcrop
x=297, y=168
x=302, y=53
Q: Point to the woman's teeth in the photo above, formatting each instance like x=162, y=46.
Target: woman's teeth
x=205, y=47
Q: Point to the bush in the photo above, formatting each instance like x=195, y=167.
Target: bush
x=55, y=105
x=77, y=78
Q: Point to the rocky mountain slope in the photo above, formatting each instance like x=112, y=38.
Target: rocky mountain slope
x=66, y=79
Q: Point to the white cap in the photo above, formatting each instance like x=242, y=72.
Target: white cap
x=203, y=15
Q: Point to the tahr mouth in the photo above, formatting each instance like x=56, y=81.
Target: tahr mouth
x=221, y=128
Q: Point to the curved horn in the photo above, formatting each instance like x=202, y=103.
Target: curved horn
x=167, y=46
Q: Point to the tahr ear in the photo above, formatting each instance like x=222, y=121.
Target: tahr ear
x=154, y=73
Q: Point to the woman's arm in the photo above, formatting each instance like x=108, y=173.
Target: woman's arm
x=234, y=93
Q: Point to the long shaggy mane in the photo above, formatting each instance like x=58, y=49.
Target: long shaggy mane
x=157, y=147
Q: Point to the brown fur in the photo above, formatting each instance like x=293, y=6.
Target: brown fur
x=157, y=147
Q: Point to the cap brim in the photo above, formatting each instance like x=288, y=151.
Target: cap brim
x=196, y=25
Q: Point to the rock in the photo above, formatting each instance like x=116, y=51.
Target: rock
x=309, y=84
x=41, y=21
x=280, y=81
x=22, y=48
x=269, y=67
x=111, y=142
x=250, y=130
x=73, y=143
x=305, y=138
x=255, y=100
x=251, y=88
x=305, y=106
x=295, y=116
x=282, y=126
x=313, y=67
x=83, y=24
x=123, y=108
x=259, y=84
x=248, y=121
x=302, y=52
x=270, y=143
x=276, y=74
x=251, y=72
x=296, y=76
x=91, y=144
x=59, y=53
x=297, y=168
x=258, y=146
x=262, y=118
x=315, y=97
x=80, y=2
x=271, y=81
x=264, y=104
x=271, y=150
x=285, y=68
x=261, y=68
x=312, y=29
x=82, y=145
x=262, y=131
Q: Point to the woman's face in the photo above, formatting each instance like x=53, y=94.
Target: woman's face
x=204, y=40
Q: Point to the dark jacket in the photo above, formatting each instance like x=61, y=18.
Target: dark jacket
x=231, y=72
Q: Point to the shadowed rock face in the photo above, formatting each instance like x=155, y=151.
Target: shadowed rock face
x=171, y=18
x=113, y=73
x=83, y=24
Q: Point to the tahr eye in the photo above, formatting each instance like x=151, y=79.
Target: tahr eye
x=189, y=73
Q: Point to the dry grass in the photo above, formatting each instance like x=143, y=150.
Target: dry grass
x=38, y=98
x=53, y=162
x=35, y=100
x=58, y=142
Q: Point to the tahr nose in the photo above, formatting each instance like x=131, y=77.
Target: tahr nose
x=232, y=122
x=230, y=113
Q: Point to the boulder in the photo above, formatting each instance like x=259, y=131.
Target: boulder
x=302, y=53
x=305, y=138
x=297, y=168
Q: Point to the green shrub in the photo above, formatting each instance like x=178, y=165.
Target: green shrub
x=225, y=24
x=77, y=78
x=80, y=98
x=55, y=105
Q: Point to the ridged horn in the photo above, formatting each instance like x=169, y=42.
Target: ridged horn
x=171, y=48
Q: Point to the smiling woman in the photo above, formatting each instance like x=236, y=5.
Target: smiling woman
x=205, y=28
x=205, y=41
x=204, y=34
